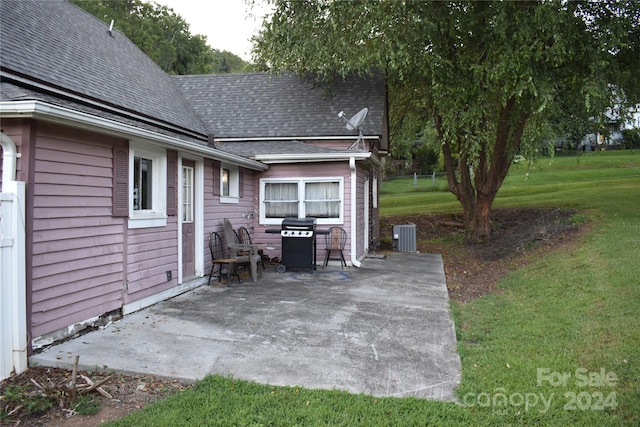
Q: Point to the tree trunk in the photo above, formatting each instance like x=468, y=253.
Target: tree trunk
x=462, y=188
x=476, y=190
x=481, y=229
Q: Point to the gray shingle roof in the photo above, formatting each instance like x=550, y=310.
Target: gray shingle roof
x=250, y=149
x=60, y=45
x=259, y=105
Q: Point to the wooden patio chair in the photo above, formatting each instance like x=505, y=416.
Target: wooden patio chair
x=246, y=254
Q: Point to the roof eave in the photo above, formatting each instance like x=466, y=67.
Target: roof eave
x=295, y=138
x=316, y=158
x=9, y=76
x=61, y=115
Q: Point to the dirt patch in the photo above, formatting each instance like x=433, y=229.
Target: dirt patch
x=25, y=403
x=518, y=237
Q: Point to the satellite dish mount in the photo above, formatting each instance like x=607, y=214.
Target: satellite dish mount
x=355, y=122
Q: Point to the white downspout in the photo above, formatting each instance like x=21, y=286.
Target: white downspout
x=354, y=218
x=9, y=156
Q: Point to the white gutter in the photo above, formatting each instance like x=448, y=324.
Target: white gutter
x=293, y=138
x=9, y=156
x=318, y=157
x=57, y=114
x=354, y=217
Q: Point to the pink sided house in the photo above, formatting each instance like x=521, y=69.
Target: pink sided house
x=281, y=122
x=126, y=170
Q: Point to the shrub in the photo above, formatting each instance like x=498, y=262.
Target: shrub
x=631, y=138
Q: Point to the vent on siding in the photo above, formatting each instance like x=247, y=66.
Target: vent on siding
x=404, y=238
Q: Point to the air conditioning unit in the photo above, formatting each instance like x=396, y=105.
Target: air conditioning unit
x=404, y=238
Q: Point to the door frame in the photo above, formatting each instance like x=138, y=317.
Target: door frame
x=198, y=215
x=367, y=195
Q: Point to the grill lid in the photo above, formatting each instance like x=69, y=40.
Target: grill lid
x=292, y=223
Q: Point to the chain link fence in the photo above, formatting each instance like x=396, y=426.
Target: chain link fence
x=415, y=182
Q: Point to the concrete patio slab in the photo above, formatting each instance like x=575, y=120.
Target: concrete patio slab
x=384, y=329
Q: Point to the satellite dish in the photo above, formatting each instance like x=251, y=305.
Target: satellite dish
x=355, y=122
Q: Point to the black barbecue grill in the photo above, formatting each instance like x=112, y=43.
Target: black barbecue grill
x=298, y=244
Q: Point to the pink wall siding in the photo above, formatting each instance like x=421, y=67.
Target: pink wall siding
x=151, y=252
x=331, y=169
x=84, y=262
x=215, y=212
x=77, y=245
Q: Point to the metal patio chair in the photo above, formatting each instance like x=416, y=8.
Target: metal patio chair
x=335, y=241
x=219, y=259
x=245, y=238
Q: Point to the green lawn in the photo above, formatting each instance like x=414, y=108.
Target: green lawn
x=559, y=346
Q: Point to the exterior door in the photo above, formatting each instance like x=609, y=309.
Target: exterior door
x=367, y=225
x=188, y=219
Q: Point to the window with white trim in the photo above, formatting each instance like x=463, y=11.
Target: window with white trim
x=147, y=186
x=225, y=182
x=374, y=192
x=142, y=184
x=320, y=198
x=229, y=184
x=187, y=193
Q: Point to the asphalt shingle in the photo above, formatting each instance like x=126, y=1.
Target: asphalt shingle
x=260, y=105
x=250, y=149
x=61, y=46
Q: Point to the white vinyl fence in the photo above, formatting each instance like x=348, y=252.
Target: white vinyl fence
x=13, y=318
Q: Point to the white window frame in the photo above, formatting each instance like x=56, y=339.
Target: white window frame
x=234, y=184
x=301, y=198
x=157, y=215
x=374, y=192
x=187, y=189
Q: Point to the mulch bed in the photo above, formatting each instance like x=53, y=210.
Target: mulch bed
x=22, y=396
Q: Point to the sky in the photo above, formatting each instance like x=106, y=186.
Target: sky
x=228, y=24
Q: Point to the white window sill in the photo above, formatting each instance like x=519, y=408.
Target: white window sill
x=148, y=221
x=227, y=199
x=319, y=221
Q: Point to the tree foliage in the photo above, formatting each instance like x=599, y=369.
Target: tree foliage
x=164, y=36
x=493, y=77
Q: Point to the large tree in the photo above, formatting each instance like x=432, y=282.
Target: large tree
x=491, y=76
x=164, y=36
